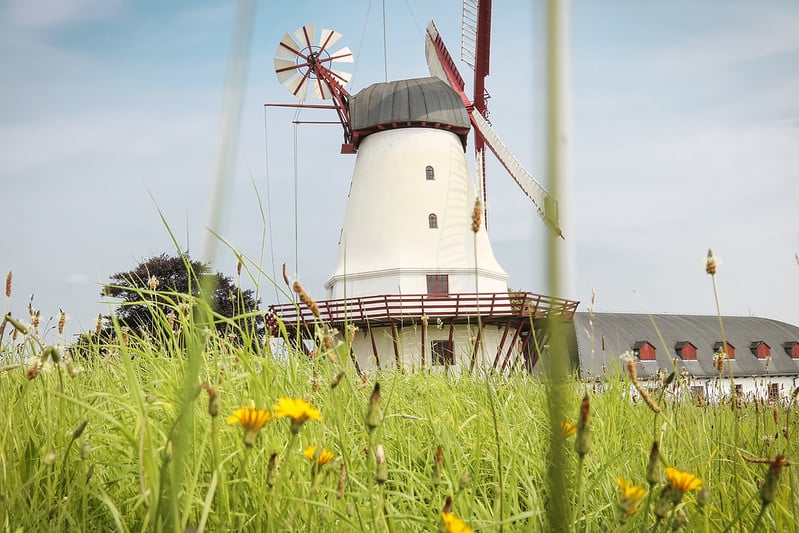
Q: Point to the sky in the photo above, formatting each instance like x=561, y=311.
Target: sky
x=684, y=136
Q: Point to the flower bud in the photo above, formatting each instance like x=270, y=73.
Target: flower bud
x=437, y=466
x=336, y=380
x=582, y=443
x=270, y=470
x=464, y=481
x=653, y=467
x=703, y=496
x=85, y=449
x=768, y=492
x=342, y=480
x=372, y=418
x=382, y=469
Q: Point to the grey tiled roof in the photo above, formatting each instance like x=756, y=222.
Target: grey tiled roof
x=600, y=345
x=415, y=100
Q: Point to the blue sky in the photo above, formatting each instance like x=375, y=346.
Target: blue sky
x=685, y=135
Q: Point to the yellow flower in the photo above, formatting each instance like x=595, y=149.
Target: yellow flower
x=567, y=428
x=453, y=524
x=631, y=496
x=252, y=420
x=324, y=457
x=682, y=481
x=298, y=410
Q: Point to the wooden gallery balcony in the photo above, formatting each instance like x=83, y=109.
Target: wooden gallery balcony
x=516, y=314
x=493, y=308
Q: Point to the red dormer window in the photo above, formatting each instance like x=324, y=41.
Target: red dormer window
x=686, y=350
x=644, y=351
x=792, y=349
x=730, y=349
x=760, y=349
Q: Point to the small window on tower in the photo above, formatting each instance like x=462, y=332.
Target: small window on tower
x=437, y=284
x=432, y=221
x=430, y=173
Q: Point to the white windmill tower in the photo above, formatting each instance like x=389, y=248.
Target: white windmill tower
x=410, y=273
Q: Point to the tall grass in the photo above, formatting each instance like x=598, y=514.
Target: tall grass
x=92, y=450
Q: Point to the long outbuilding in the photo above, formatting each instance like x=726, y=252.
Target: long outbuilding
x=763, y=354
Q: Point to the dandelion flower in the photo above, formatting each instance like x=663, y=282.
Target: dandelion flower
x=631, y=496
x=567, y=429
x=682, y=481
x=298, y=410
x=324, y=455
x=453, y=524
x=252, y=420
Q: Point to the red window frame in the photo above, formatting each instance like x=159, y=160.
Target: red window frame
x=438, y=284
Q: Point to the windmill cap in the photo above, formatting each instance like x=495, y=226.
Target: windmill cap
x=418, y=102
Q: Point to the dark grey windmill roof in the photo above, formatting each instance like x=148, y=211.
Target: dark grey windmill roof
x=600, y=344
x=428, y=101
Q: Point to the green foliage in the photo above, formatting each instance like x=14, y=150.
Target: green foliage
x=163, y=287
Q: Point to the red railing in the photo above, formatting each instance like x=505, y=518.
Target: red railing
x=399, y=306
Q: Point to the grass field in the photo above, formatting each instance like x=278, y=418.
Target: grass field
x=150, y=435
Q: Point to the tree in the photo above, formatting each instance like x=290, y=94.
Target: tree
x=159, y=288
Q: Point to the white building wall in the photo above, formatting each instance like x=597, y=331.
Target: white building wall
x=410, y=350
x=387, y=246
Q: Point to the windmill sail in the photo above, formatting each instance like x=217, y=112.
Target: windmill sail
x=441, y=65
x=546, y=206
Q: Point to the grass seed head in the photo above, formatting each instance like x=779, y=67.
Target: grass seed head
x=285, y=275
x=62, y=320
x=9, y=278
x=477, y=215
x=306, y=299
x=711, y=263
x=79, y=430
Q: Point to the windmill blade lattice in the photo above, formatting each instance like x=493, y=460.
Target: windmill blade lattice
x=546, y=206
x=302, y=62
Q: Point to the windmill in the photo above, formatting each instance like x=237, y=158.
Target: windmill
x=408, y=254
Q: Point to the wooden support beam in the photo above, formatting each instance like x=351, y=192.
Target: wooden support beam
x=424, y=330
x=513, y=342
x=501, y=345
x=395, y=342
x=374, y=345
x=476, y=347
